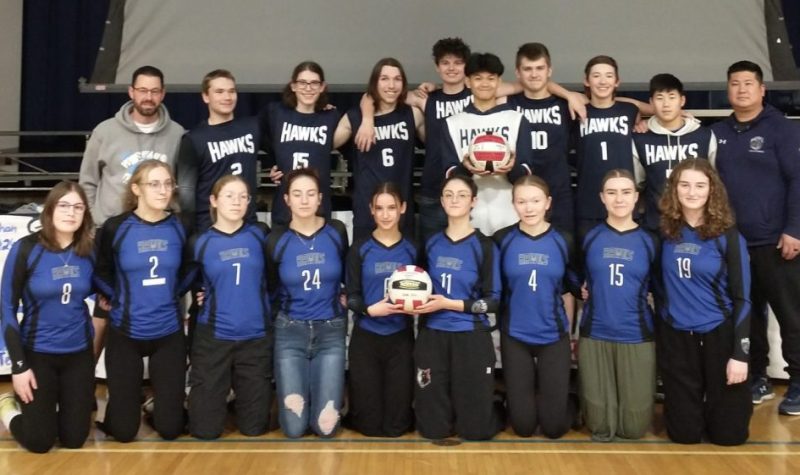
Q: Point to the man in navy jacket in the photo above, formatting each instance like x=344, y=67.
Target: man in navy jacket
x=758, y=158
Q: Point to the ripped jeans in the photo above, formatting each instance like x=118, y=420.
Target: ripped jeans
x=309, y=373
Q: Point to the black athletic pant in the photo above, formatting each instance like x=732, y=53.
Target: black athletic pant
x=455, y=385
x=776, y=281
x=537, y=385
x=124, y=368
x=219, y=365
x=697, y=398
x=381, y=382
x=62, y=402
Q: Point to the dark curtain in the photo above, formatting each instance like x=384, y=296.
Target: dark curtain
x=791, y=14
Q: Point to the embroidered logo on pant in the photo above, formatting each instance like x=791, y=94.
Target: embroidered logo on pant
x=423, y=377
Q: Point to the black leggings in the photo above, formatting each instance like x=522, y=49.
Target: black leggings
x=537, y=382
x=381, y=382
x=62, y=403
x=124, y=366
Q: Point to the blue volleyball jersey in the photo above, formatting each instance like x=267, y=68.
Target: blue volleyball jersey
x=660, y=150
x=300, y=140
x=209, y=152
x=140, y=267
x=468, y=270
x=233, y=269
x=604, y=144
x=550, y=128
x=370, y=264
x=390, y=159
x=438, y=107
x=308, y=271
x=52, y=287
x=536, y=271
x=618, y=266
x=707, y=281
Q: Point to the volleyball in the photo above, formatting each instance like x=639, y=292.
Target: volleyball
x=409, y=286
x=489, y=152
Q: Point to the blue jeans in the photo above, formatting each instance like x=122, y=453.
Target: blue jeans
x=309, y=372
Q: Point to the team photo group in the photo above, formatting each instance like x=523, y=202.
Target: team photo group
x=658, y=265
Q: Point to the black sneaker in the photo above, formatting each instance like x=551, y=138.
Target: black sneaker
x=761, y=390
x=790, y=406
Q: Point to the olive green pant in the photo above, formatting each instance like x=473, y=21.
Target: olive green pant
x=617, y=384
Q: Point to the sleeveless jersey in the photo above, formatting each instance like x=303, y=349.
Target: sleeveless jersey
x=299, y=140
x=438, y=107
x=209, y=152
x=390, y=159
x=550, y=127
x=604, y=144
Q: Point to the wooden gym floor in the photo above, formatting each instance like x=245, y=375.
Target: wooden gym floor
x=774, y=448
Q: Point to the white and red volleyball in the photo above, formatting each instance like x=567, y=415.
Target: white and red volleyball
x=409, y=286
x=488, y=152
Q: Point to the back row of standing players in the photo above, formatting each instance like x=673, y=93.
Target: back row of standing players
x=301, y=132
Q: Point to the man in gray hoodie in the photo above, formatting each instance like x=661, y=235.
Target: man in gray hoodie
x=140, y=130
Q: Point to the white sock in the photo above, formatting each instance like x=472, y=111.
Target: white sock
x=7, y=415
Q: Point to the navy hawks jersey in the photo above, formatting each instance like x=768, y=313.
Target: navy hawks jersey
x=550, y=128
x=660, y=150
x=618, y=266
x=536, y=271
x=468, y=270
x=438, y=107
x=209, y=152
x=299, y=140
x=308, y=271
x=493, y=210
x=604, y=144
x=390, y=159
x=369, y=266
x=233, y=269
x=52, y=287
x=140, y=267
x=707, y=281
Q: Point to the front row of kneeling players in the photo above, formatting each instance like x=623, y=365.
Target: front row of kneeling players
x=145, y=263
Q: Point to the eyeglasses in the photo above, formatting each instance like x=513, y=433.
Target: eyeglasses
x=168, y=185
x=456, y=196
x=64, y=207
x=144, y=91
x=313, y=85
x=244, y=197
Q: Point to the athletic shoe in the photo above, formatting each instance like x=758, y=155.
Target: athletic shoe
x=8, y=405
x=761, y=390
x=790, y=406
x=659, y=396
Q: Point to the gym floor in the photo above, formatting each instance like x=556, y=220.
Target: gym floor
x=774, y=448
